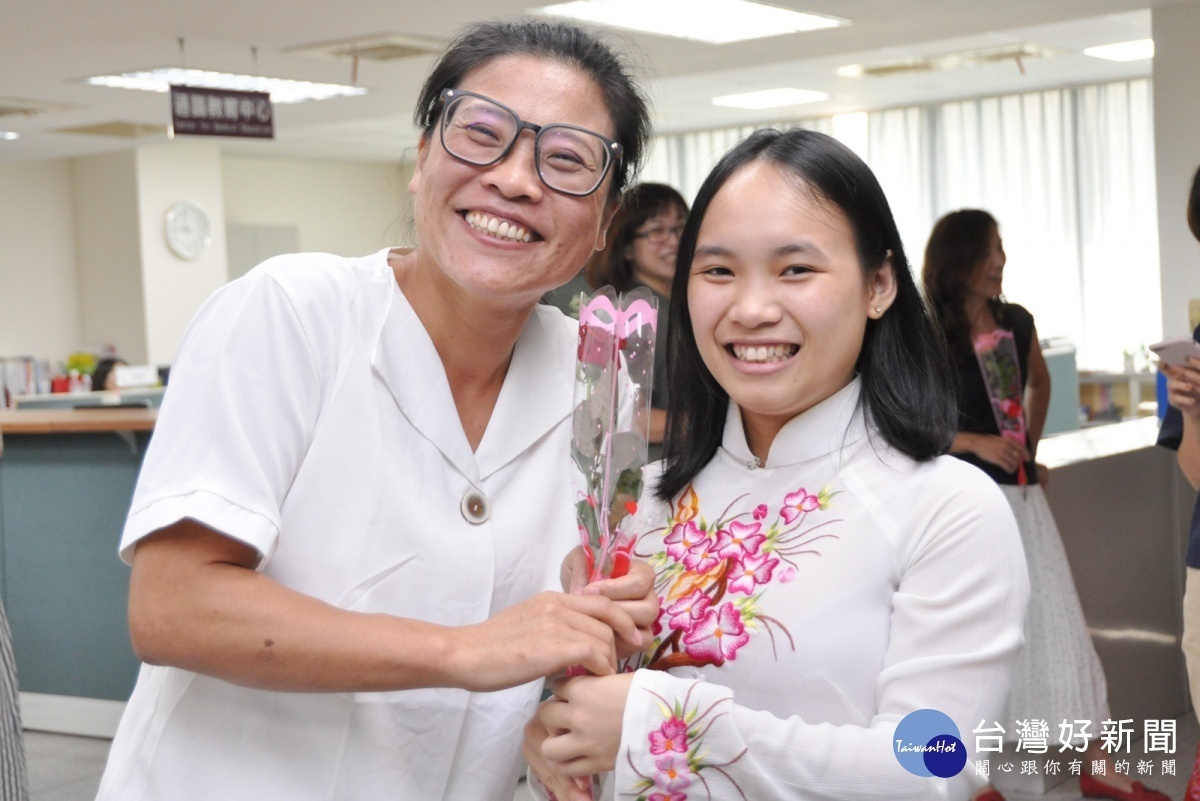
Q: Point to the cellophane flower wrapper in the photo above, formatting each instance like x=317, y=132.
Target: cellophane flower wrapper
x=996, y=352
x=614, y=374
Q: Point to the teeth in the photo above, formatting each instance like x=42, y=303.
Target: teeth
x=501, y=229
x=763, y=353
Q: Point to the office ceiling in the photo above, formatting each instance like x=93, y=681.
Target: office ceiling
x=47, y=45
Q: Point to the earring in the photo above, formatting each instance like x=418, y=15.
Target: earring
x=878, y=310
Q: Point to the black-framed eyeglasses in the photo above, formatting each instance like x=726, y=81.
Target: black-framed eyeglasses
x=479, y=131
x=660, y=233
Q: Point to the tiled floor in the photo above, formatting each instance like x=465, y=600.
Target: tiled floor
x=62, y=767
x=65, y=768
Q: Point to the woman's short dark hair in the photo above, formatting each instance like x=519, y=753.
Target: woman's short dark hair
x=104, y=369
x=1193, y=209
x=482, y=42
x=957, y=246
x=639, y=204
x=907, y=390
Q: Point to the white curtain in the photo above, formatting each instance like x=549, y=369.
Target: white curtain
x=1118, y=220
x=684, y=160
x=898, y=151
x=1013, y=156
x=1069, y=175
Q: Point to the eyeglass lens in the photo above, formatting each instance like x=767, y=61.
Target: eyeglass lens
x=478, y=131
x=662, y=233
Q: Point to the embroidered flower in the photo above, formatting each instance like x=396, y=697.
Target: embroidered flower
x=671, y=736
x=739, y=539
x=688, y=609
x=673, y=772
x=717, y=636
x=688, y=505
x=713, y=575
x=750, y=571
x=701, y=557
x=797, y=503
x=682, y=537
x=678, y=756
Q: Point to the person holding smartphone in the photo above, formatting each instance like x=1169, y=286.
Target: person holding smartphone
x=1181, y=432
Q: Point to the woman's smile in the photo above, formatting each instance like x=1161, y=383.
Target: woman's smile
x=499, y=227
x=762, y=353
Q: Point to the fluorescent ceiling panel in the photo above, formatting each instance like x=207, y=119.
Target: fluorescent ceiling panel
x=282, y=90
x=712, y=21
x=770, y=98
x=1123, y=51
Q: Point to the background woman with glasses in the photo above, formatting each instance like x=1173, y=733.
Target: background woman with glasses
x=642, y=242
x=355, y=498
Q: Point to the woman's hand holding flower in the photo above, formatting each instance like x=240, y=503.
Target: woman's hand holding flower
x=633, y=593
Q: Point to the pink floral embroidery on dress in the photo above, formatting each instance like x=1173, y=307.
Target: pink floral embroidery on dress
x=678, y=759
x=712, y=576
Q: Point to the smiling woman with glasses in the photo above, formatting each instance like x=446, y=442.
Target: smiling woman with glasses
x=349, y=530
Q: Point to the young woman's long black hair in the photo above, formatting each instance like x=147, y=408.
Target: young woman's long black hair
x=958, y=244
x=907, y=388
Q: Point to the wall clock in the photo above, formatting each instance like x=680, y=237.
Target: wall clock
x=188, y=230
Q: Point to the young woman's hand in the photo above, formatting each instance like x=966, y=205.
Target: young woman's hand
x=1000, y=451
x=633, y=593
x=583, y=720
x=563, y=787
x=1183, y=386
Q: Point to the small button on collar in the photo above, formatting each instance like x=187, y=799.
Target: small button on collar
x=475, y=507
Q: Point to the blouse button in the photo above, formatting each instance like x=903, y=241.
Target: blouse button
x=475, y=507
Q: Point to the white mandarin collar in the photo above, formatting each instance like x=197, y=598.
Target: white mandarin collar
x=536, y=396
x=825, y=428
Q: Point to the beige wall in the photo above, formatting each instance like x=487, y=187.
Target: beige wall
x=104, y=199
x=174, y=288
x=83, y=263
x=339, y=207
x=39, y=288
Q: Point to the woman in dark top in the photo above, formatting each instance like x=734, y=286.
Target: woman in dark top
x=1004, y=391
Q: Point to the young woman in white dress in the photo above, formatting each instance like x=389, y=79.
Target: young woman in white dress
x=823, y=570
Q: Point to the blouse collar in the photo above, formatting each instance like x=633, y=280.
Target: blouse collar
x=537, y=394
x=825, y=428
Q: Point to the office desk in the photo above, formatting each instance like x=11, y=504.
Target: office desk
x=66, y=478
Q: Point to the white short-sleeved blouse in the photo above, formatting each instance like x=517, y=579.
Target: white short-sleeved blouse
x=811, y=603
x=309, y=416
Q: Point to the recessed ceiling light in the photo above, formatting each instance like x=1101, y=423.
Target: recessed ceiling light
x=770, y=98
x=282, y=90
x=9, y=135
x=851, y=71
x=712, y=21
x=1123, y=51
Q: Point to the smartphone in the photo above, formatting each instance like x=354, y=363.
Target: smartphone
x=1175, y=350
